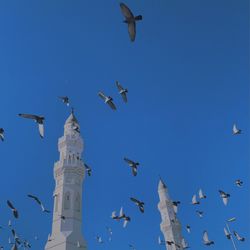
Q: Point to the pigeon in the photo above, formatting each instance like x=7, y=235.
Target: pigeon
x=38, y=119
x=236, y=131
x=14, y=210
x=124, y=217
x=239, y=183
x=131, y=20
x=224, y=197
x=202, y=195
x=123, y=92
x=175, y=205
x=133, y=165
x=138, y=203
x=117, y=217
x=227, y=234
x=194, y=200
x=206, y=240
x=1, y=134
x=64, y=99
x=184, y=244
x=108, y=100
x=188, y=228
x=38, y=202
x=88, y=169
x=238, y=237
x=199, y=213
x=99, y=239
x=231, y=219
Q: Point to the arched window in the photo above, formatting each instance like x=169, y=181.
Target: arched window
x=67, y=200
x=78, y=202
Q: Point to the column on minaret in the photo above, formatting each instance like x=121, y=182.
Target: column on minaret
x=69, y=173
x=170, y=225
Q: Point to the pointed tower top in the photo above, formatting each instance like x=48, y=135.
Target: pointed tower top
x=71, y=118
x=161, y=184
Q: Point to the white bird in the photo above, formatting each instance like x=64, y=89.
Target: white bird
x=231, y=219
x=2, y=134
x=194, y=200
x=236, y=131
x=224, y=197
x=227, y=234
x=38, y=119
x=123, y=92
x=184, y=244
x=238, y=237
x=202, y=195
x=107, y=100
x=131, y=20
x=206, y=240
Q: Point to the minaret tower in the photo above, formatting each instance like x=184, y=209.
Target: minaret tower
x=69, y=173
x=170, y=226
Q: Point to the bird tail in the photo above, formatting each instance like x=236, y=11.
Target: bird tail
x=138, y=18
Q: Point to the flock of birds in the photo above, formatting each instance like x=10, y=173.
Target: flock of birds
x=17, y=242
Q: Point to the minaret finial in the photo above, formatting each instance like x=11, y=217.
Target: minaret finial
x=72, y=110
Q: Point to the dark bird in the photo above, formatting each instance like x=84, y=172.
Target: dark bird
x=38, y=202
x=13, y=209
x=38, y=119
x=239, y=183
x=131, y=20
x=133, y=165
x=124, y=217
x=2, y=134
x=64, y=99
x=206, y=240
x=108, y=100
x=123, y=92
x=188, y=229
x=224, y=197
x=138, y=203
x=199, y=213
x=88, y=169
x=175, y=205
x=238, y=237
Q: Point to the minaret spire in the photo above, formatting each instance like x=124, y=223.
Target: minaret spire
x=170, y=226
x=69, y=173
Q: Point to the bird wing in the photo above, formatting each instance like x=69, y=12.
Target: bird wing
x=124, y=97
x=128, y=161
x=235, y=130
x=126, y=11
x=102, y=96
x=121, y=212
x=135, y=200
x=175, y=208
x=205, y=236
x=200, y=194
x=132, y=30
x=226, y=232
x=119, y=86
x=28, y=116
x=225, y=200
x=125, y=223
x=10, y=204
x=41, y=130
x=35, y=198
x=2, y=136
x=111, y=105
x=134, y=171
x=194, y=199
x=237, y=235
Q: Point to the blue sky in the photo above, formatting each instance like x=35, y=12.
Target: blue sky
x=188, y=79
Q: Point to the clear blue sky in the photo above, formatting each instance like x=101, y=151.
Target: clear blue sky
x=188, y=79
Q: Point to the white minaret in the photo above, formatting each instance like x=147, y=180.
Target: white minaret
x=69, y=173
x=170, y=226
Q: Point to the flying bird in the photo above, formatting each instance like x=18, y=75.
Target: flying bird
x=194, y=200
x=107, y=100
x=133, y=165
x=1, y=134
x=131, y=20
x=227, y=234
x=123, y=92
x=206, y=240
x=35, y=198
x=202, y=195
x=236, y=131
x=175, y=205
x=224, y=197
x=99, y=239
x=132, y=247
x=88, y=169
x=238, y=237
x=188, y=228
x=184, y=244
x=64, y=99
x=239, y=183
x=117, y=217
x=110, y=232
x=199, y=213
x=13, y=209
x=139, y=204
x=38, y=119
